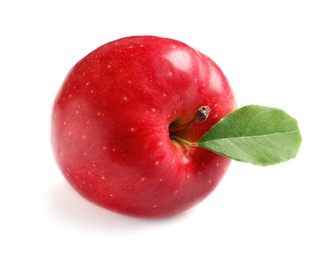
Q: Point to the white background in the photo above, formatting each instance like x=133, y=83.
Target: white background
x=273, y=53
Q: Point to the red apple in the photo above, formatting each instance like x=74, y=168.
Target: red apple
x=111, y=124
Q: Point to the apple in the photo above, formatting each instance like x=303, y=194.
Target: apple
x=117, y=122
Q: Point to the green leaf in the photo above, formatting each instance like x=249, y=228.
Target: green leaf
x=254, y=134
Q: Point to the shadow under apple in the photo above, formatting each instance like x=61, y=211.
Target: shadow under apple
x=72, y=209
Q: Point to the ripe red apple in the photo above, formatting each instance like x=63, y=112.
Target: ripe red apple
x=111, y=126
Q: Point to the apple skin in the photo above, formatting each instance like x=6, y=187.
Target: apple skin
x=110, y=126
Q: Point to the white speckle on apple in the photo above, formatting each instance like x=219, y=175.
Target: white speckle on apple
x=70, y=95
x=132, y=129
x=170, y=73
x=141, y=45
x=153, y=109
x=83, y=137
x=164, y=95
x=125, y=99
x=210, y=181
x=60, y=154
x=104, y=147
x=64, y=122
x=155, y=206
x=84, y=154
x=113, y=149
x=87, y=84
x=156, y=163
x=200, y=173
x=69, y=133
x=110, y=195
x=102, y=177
x=174, y=47
x=160, y=143
x=77, y=111
x=160, y=180
x=129, y=81
x=217, y=164
x=142, y=179
x=188, y=176
x=176, y=192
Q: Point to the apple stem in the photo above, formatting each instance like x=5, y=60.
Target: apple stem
x=200, y=116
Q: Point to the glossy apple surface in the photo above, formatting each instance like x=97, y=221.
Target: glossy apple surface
x=111, y=119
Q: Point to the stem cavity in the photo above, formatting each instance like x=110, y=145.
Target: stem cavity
x=200, y=116
x=181, y=140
